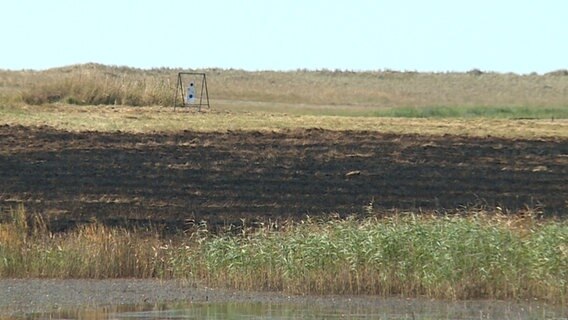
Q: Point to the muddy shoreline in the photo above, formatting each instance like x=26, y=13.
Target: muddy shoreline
x=24, y=297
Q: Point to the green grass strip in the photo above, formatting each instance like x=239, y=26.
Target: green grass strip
x=475, y=112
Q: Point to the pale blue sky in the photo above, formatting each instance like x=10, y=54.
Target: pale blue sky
x=518, y=36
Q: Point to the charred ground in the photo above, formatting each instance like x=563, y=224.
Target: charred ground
x=167, y=178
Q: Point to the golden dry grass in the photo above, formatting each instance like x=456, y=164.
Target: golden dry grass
x=152, y=119
x=475, y=103
x=277, y=100
x=94, y=84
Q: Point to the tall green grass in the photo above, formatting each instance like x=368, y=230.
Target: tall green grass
x=478, y=255
x=442, y=257
x=508, y=112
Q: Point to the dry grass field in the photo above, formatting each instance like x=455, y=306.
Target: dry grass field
x=92, y=140
x=227, y=117
x=381, y=182
x=341, y=92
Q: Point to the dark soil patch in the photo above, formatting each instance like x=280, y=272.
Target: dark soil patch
x=165, y=179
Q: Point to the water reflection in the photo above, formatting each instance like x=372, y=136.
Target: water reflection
x=383, y=309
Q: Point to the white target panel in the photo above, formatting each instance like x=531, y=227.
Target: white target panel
x=192, y=88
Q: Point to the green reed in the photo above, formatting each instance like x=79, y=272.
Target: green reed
x=443, y=257
x=478, y=255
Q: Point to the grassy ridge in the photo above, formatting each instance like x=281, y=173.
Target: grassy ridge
x=478, y=255
x=377, y=93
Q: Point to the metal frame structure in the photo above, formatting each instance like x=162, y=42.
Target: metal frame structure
x=180, y=90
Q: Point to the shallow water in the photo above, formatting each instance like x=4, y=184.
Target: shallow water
x=382, y=309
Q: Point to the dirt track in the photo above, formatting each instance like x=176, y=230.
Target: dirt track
x=122, y=178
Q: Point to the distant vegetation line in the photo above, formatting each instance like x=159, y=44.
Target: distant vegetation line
x=475, y=112
x=376, y=93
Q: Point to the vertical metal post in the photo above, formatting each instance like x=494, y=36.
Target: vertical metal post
x=206, y=90
x=201, y=95
x=182, y=91
x=176, y=93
